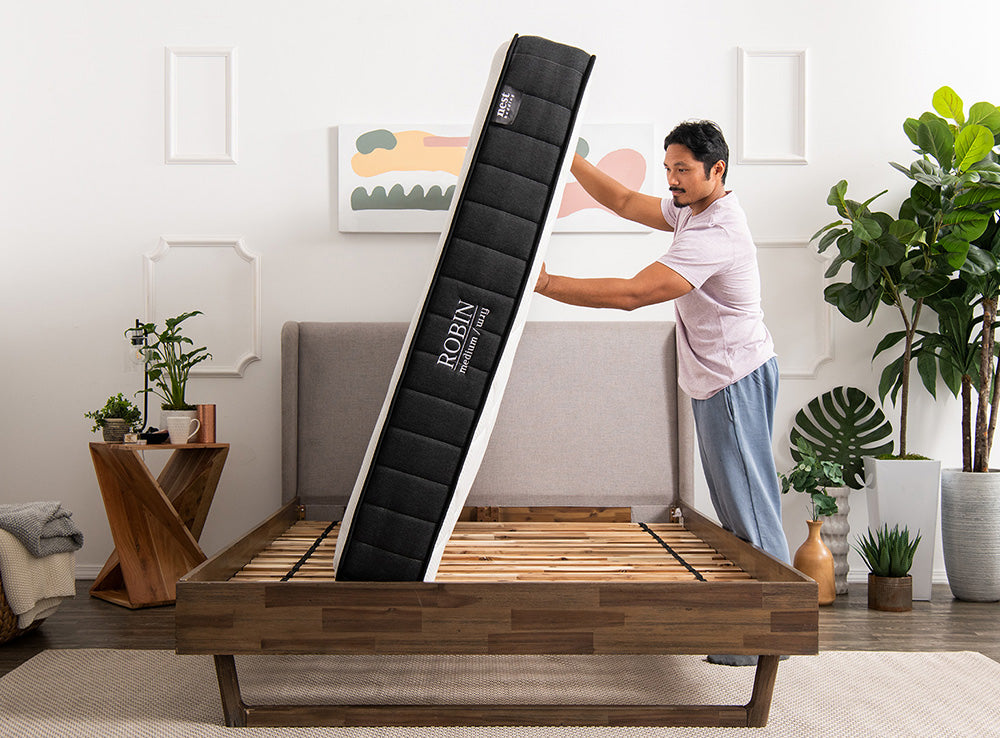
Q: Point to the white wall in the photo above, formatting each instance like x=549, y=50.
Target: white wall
x=85, y=192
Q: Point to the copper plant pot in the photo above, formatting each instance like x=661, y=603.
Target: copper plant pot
x=890, y=594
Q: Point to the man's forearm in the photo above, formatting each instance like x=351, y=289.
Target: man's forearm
x=606, y=292
x=618, y=198
x=654, y=284
x=608, y=191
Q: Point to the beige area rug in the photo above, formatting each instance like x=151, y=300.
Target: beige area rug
x=97, y=692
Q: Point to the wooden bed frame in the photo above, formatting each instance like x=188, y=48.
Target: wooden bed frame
x=517, y=578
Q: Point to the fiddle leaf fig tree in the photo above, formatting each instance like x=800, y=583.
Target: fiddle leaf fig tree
x=892, y=263
x=903, y=261
x=964, y=198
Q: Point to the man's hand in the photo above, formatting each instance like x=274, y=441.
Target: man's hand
x=543, y=280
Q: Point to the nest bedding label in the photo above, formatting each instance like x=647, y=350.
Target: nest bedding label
x=507, y=107
x=459, y=344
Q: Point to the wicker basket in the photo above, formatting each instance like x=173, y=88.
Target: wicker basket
x=8, y=620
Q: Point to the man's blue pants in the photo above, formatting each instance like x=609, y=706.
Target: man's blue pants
x=734, y=428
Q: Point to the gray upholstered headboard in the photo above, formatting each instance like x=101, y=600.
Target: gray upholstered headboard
x=591, y=416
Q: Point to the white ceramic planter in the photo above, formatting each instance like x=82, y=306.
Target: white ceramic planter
x=970, y=533
x=905, y=493
x=165, y=414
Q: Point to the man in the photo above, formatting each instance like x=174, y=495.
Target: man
x=726, y=359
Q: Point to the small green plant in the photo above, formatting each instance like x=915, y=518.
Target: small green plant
x=117, y=406
x=168, y=364
x=888, y=553
x=811, y=476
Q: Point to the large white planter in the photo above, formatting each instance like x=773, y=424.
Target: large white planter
x=970, y=533
x=905, y=493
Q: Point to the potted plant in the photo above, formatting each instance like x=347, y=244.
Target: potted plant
x=906, y=262
x=842, y=425
x=963, y=348
x=896, y=264
x=169, y=362
x=889, y=556
x=811, y=476
x=118, y=417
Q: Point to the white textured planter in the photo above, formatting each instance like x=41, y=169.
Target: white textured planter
x=165, y=414
x=905, y=493
x=835, y=532
x=970, y=533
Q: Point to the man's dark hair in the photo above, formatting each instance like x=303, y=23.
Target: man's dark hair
x=706, y=142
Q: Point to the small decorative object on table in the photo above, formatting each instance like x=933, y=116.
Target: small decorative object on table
x=206, y=421
x=810, y=476
x=889, y=556
x=118, y=417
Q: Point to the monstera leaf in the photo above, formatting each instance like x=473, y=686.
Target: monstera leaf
x=843, y=425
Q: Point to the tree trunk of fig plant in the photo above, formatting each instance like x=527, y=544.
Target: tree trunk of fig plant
x=993, y=411
x=910, y=325
x=966, y=423
x=982, y=453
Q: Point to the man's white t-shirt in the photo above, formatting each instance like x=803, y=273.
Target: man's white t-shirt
x=721, y=336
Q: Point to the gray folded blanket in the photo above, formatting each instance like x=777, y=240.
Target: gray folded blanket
x=42, y=527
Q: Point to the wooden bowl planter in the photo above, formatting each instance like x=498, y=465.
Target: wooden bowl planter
x=890, y=594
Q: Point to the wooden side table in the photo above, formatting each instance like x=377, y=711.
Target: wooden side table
x=155, y=523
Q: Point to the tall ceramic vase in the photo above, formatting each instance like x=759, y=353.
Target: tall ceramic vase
x=970, y=533
x=835, y=532
x=814, y=559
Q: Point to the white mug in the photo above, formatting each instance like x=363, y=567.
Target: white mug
x=181, y=430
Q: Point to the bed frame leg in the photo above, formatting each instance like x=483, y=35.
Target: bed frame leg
x=233, y=707
x=763, y=688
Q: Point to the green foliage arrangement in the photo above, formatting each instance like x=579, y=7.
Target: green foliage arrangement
x=905, y=260
x=811, y=476
x=843, y=425
x=168, y=363
x=963, y=348
x=117, y=406
x=888, y=553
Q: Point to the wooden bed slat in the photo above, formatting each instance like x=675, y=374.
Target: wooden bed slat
x=521, y=551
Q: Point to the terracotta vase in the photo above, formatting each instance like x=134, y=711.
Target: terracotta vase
x=814, y=559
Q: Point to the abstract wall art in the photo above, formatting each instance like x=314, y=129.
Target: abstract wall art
x=402, y=178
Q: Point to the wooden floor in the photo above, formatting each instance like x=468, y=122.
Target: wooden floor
x=944, y=624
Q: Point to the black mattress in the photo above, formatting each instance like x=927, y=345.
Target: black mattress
x=441, y=405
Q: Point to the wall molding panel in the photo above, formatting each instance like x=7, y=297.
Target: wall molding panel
x=187, y=273
x=200, y=105
x=772, y=125
x=800, y=320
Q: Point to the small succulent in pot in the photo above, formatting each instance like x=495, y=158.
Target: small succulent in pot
x=888, y=553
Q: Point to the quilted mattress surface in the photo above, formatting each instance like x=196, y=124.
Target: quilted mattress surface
x=439, y=411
